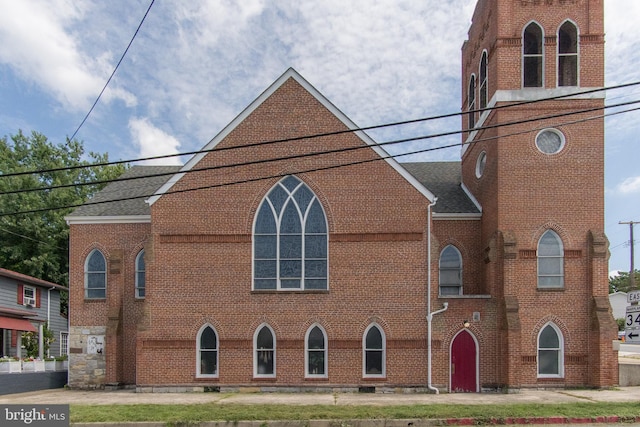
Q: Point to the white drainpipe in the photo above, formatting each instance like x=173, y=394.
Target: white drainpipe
x=429, y=313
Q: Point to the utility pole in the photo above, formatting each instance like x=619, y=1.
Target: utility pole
x=632, y=279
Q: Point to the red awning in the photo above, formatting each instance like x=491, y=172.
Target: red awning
x=16, y=324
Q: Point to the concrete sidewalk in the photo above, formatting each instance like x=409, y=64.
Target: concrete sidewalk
x=130, y=397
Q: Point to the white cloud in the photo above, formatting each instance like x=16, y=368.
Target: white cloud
x=37, y=44
x=378, y=61
x=153, y=142
x=629, y=185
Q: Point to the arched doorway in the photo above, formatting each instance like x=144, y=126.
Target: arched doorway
x=464, y=363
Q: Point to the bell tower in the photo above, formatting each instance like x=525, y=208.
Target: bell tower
x=533, y=156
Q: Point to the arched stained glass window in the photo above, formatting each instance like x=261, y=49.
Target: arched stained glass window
x=265, y=352
x=471, y=102
x=374, y=352
x=568, y=55
x=316, y=352
x=290, y=240
x=207, y=352
x=533, y=54
x=550, y=261
x=450, y=271
x=550, y=352
x=484, y=86
x=95, y=275
x=140, y=275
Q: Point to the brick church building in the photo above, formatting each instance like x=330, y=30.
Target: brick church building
x=294, y=253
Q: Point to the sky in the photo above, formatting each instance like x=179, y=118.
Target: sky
x=194, y=65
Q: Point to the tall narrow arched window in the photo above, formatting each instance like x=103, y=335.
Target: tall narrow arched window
x=483, y=84
x=550, y=261
x=95, y=275
x=374, y=352
x=550, y=352
x=264, y=343
x=207, y=363
x=471, y=102
x=568, y=55
x=532, y=56
x=316, y=352
x=450, y=271
x=290, y=244
x=140, y=275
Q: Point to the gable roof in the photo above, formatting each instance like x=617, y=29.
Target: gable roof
x=289, y=74
x=29, y=279
x=124, y=200
x=129, y=199
x=444, y=179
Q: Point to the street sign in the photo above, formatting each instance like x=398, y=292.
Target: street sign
x=633, y=296
x=632, y=325
x=632, y=336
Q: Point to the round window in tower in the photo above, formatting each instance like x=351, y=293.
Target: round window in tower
x=550, y=141
x=481, y=163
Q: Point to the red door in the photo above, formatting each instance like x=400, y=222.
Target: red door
x=463, y=364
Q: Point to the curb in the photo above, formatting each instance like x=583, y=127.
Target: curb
x=613, y=419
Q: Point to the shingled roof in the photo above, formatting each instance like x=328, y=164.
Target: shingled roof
x=444, y=180
x=128, y=197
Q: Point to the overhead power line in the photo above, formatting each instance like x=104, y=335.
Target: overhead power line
x=354, y=163
x=113, y=73
x=325, y=152
x=320, y=135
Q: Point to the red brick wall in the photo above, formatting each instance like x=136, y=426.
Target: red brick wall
x=377, y=270
x=120, y=244
x=523, y=192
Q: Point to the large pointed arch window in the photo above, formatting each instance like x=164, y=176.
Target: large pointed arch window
x=95, y=275
x=290, y=244
x=207, y=353
x=550, y=352
x=532, y=58
x=450, y=267
x=550, y=261
x=568, y=55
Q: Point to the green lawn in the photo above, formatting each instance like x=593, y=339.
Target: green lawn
x=239, y=412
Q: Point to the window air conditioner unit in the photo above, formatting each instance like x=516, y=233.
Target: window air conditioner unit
x=29, y=302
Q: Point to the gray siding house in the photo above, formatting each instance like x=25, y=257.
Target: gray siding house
x=26, y=304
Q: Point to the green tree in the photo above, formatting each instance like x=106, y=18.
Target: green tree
x=37, y=243
x=620, y=283
x=31, y=341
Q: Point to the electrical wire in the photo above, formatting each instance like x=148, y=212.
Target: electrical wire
x=48, y=243
x=325, y=152
x=320, y=135
x=114, y=72
x=377, y=158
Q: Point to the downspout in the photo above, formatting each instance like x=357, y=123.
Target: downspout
x=429, y=313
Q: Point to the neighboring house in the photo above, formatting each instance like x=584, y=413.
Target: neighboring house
x=323, y=263
x=618, y=301
x=26, y=304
